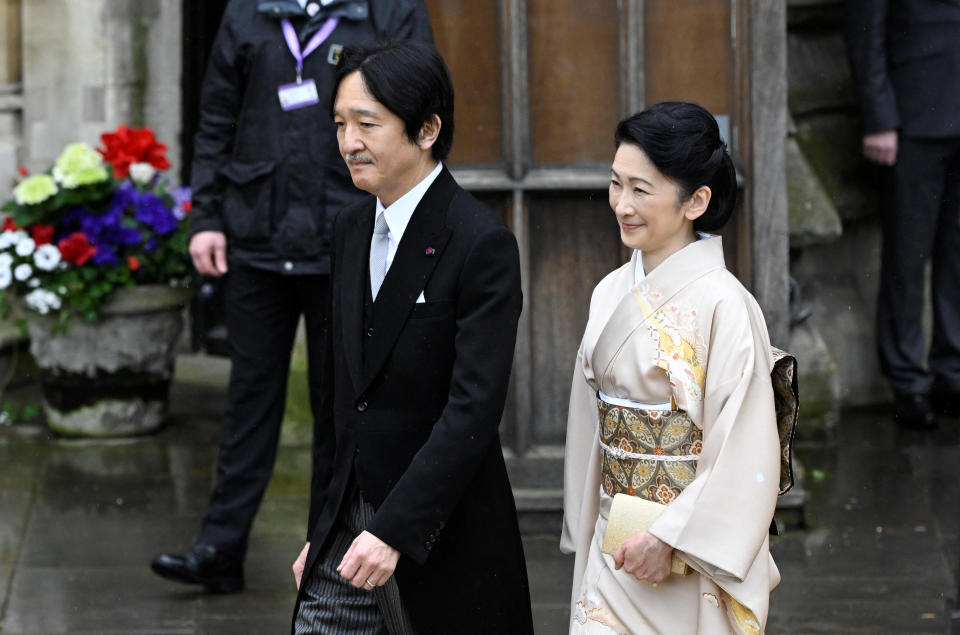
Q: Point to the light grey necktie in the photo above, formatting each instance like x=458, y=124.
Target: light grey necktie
x=378, y=253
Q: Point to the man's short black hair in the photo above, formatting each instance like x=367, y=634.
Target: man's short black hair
x=410, y=79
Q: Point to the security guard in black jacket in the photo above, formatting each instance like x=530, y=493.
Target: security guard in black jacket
x=267, y=182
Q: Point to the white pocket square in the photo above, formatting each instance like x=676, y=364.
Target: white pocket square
x=421, y=299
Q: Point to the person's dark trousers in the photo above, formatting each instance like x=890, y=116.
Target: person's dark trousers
x=262, y=312
x=921, y=223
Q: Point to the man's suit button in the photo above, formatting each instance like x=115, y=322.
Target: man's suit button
x=370, y=332
x=361, y=406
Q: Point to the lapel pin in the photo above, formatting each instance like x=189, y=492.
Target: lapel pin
x=431, y=251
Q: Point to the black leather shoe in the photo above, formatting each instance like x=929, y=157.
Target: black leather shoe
x=217, y=572
x=912, y=410
x=946, y=402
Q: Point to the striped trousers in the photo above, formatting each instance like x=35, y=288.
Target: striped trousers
x=330, y=605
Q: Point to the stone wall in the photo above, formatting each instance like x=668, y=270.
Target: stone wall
x=90, y=65
x=834, y=228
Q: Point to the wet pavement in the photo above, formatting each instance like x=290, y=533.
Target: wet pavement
x=80, y=521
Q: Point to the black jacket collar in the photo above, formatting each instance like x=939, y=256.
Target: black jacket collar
x=349, y=9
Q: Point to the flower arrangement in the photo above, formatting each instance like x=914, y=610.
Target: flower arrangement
x=96, y=221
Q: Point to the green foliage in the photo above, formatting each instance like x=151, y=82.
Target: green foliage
x=11, y=413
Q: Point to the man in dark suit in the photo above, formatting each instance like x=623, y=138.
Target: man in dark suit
x=413, y=526
x=905, y=56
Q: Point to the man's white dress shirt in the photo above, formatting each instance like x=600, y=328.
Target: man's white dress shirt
x=399, y=213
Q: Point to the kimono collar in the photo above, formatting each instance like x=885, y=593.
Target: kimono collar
x=645, y=298
x=681, y=267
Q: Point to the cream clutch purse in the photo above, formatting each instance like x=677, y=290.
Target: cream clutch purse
x=630, y=515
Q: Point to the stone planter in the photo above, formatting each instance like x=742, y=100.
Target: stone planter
x=111, y=378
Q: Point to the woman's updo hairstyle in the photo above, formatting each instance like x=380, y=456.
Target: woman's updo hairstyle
x=683, y=140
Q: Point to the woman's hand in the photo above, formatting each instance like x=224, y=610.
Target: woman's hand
x=645, y=557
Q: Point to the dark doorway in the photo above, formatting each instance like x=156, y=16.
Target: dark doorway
x=200, y=21
x=201, y=18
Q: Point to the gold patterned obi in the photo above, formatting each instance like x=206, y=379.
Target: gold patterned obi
x=649, y=451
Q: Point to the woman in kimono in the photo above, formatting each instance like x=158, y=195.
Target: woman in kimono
x=672, y=401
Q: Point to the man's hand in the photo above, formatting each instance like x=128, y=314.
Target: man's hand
x=881, y=147
x=645, y=556
x=209, y=252
x=299, y=563
x=369, y=562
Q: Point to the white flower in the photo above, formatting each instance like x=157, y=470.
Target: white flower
x=11, y=237
x=33, y=283
x=142, y=173
x=22, y=272
x=36, y=300
x=26, y=246
x=41, y=301
x=6, y=277
x=47, y=257
x=6, y=260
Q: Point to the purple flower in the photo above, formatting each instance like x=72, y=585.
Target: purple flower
x=94, y=225
x=71, y=221
x=182, y=201
x=124, y=196
x=151, y=211
x=105, y=255
x=121, y=235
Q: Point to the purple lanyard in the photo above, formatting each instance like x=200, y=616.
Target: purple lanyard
x=293, y=42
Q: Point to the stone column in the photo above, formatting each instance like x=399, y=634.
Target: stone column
x=767, y=170
x=11, y=102
x=90, y=65
x=12, y=341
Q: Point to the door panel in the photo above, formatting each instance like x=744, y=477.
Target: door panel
x=574, y=243
x=474, y=62
x=574, y=86
x=688, y=53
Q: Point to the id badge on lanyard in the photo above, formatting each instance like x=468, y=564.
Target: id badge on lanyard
x=302, y=93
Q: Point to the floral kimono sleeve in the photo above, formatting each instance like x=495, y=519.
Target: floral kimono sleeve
x=720, y=521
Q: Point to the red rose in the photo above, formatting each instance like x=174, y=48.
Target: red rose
x=132, y=145
x=42, y=234
x=76, y=248
x=133, y=263
x=186, y=206
x=23, y=171
x=9, y=225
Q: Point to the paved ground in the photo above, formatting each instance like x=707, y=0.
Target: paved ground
x=80, y=520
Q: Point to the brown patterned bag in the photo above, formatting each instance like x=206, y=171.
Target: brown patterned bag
x=786, y=398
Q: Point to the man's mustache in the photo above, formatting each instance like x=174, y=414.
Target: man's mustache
x=359, y=157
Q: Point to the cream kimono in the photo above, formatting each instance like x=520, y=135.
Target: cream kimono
x=691, y=332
